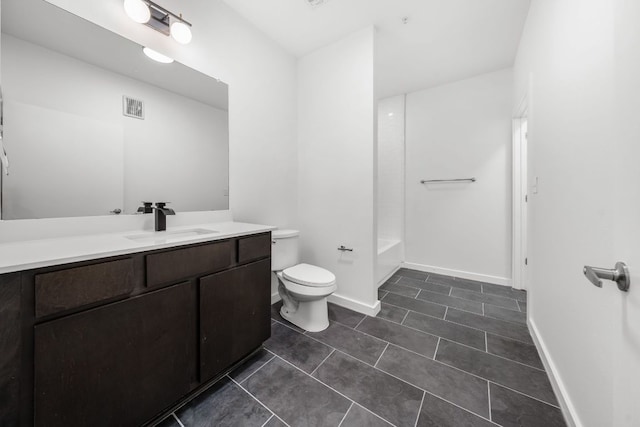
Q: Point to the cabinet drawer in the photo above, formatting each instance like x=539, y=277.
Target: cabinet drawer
x=173, y=266
x=75, y=287
x=254, y=247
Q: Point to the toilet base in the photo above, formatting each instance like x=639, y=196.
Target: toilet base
x=312, y=316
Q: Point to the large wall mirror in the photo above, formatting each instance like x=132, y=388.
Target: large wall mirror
x=67, y=86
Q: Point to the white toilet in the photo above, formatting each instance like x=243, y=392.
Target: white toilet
x=303, y=288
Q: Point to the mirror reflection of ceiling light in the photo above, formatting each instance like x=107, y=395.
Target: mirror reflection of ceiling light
x=157, y=56
x=181, y=32
x=160, y=19
x=137, y=10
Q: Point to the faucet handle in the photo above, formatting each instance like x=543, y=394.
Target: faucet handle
x=162, y=204
x=146, y=208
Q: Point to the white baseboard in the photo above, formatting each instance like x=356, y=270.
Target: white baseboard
x=568, y=410
x=370, y=310
x=388, y=276
x=504, y=281
x=275, y=298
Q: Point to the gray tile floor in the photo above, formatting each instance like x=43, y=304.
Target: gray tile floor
x=443, y=351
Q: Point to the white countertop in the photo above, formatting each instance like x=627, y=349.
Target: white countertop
x=29, y=254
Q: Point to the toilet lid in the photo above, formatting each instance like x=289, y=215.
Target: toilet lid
x=309, y=275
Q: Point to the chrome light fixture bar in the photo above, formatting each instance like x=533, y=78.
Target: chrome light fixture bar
x=160, y=19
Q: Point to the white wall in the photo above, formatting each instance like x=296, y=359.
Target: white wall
x=565, y=64
x=262, y=98
x=74, y=154
x=391, y=168
x=460, y=130
x=336, y=154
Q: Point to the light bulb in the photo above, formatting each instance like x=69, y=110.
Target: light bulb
x=157, y=56
x=181, y=32
x=137, y=10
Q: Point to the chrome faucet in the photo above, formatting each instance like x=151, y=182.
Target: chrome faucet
x=161, y=213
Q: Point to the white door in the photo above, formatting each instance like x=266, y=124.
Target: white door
x=626, y=229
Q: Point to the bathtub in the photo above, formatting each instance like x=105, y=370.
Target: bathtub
x=389, y=258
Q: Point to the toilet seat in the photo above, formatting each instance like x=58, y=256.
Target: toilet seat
x=309, y=275
x=304, y=290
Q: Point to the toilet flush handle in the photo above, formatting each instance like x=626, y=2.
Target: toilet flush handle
x=345, y=249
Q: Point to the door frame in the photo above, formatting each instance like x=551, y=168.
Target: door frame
x=519, y=196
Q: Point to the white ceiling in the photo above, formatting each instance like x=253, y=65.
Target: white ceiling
x=443, y=41
x=44, y=24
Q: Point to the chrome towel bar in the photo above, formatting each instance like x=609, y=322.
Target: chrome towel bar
x=430, y=181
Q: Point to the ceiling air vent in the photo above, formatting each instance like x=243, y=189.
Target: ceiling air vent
x=132, y=107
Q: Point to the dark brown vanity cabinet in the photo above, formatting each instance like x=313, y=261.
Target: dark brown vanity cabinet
x=115, y=365
x=234, y=315
x=120, y=341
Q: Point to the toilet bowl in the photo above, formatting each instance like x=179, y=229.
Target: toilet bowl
x=304, y=288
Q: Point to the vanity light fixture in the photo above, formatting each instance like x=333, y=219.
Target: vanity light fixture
x=137, y=10
x=160, y=19
x=157, y=56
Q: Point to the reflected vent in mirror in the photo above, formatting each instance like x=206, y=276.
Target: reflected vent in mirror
x=132, y=107
x=315, y=3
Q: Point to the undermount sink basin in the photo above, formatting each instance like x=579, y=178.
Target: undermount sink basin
x=167, y=236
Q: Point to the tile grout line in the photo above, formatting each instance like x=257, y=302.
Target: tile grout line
x=447, y=339
x=488, y=295
x=524, y=394
x=177, y=419
x=361, y=320
x=483, y=309
x=331, y=388
x=266, y=422
x=393, y=344
x=380, y=357
x=420, y=409
x=399, y=379
x=450, y=290
x=458, y=406
x=486, y=343
x=289, y=325
x=323, y=360
x=345, y=414
x=491, y=354
x=436, y=352
x=471, y=327
x=263, y=365
x=374, y=414
x=431, y=392
x=405, y=316
x=421, y=355
x=455, y=368
x=375, y=337
x=273, y=414
x=441, y=304
x=489, y=396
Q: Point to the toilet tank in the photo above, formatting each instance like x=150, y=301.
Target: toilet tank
x=285, y=250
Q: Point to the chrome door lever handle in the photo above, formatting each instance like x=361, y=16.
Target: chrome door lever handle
x=620, y=275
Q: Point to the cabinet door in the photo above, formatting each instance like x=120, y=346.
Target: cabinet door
x=116, y=365
x=234, y=315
